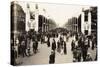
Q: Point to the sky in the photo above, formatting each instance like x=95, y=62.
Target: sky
x=60, y=13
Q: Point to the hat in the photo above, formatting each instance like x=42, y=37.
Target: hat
x=74, y=60
x=52, y=52
x=88, y=53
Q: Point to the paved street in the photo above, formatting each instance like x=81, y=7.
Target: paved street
x=42, y=57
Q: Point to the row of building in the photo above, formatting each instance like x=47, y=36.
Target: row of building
x=22, y=21
x=72, y=24
x=85, y=23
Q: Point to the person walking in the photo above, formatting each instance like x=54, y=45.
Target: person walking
x=35, y=46
x=65, y=50
x=48, y=41
x=36, y=42
x=79, y=42
x=23, y=48
x=15, y=57
x=52, y=58
x=72, y=45
x=93, y=42
x=75, y=53
x=53, y=45
x=28, y=47
x=84, y=48
x=79, y=54
x=58, y=46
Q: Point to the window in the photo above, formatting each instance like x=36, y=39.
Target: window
x=86, y=16
x=32, y=16
x=86, y=32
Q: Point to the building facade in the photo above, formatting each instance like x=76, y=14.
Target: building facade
x=18, y=17
x=32, y=18
x=86, y=22
x=43, y=24
x=72, y=24
x=89, y=21
x=93, y=20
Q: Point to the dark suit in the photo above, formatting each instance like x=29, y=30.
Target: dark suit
x=54, y=45
x=52, y=59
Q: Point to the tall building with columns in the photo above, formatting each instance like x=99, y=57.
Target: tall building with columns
x=86, y=22
x=32, y=18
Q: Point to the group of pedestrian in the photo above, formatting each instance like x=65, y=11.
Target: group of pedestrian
x=24, y=45
x=80, y=51
x=60, y=46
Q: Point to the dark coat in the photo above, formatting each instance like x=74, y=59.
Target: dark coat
x=54, y=45
x=48, y=42
x=65, y=50
x=82, y=45
x=72, y=46
x=35, y=45
x=79, y=42
x=58, y=44
x=52, y=59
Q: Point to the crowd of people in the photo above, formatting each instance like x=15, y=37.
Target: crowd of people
x=23, y=45
x=79, y=46
x=59, y=47
x=26, y=44
x=80, y=49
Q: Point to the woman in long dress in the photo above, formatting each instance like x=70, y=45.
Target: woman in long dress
x=53, y=45
x=65, y=50
x=58, y=46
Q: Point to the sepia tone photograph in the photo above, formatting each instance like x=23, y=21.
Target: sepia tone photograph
x=49, y=33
